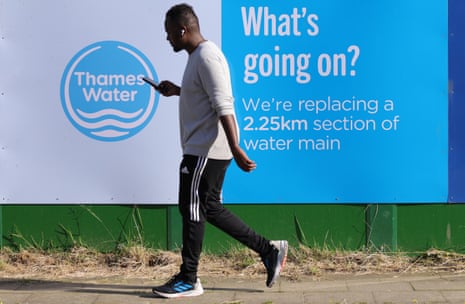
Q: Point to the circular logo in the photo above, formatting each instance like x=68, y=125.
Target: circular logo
x=103, y=94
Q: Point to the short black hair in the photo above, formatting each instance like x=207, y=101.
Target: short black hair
x=184, y=15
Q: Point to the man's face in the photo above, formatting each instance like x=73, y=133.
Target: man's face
x=174, y=35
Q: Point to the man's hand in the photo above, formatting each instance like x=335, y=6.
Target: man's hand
x=242, y=160
x=167, y=88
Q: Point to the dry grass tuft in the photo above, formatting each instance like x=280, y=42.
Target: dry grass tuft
x=141, y=262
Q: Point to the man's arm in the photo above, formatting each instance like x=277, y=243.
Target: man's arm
x=241, y=158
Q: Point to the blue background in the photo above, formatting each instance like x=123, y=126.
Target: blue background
x=403, y=57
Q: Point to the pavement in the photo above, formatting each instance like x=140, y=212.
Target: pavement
x=333, y=289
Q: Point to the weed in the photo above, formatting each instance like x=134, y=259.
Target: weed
x=240, y=257
x=300, y=232
x=67, y=238
x=18, y=241
x=131, y=229
x=86, y=208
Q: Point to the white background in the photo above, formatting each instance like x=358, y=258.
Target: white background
x=43, y=158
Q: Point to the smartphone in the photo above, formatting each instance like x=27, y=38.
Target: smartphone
x=151, y=82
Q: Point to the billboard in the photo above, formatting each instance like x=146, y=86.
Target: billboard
x=337, y=101
x=456, y=101
x=77, y=123
x=341, y=101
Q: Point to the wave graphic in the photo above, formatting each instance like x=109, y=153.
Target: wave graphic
x=110, y=133
x=113, y=112
x=107, y=126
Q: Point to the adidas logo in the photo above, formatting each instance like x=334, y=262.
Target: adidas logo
x=184, y=170
x=181, y=286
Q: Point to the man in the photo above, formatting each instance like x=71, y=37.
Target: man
x=209, y=138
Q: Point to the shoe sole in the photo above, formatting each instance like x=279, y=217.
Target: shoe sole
x=282, y=256
x=192, y=293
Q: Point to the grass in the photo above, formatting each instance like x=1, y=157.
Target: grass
x=129, y=234
x=138, y=261
x=131, y=256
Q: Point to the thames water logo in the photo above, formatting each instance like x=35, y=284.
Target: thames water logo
x=103, y=94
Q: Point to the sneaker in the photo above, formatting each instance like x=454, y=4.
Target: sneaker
x=177, y=287
x=275, y=261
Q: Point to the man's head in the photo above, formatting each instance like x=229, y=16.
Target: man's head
x=182, y=27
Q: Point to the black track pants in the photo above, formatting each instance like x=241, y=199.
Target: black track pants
x=200, y=188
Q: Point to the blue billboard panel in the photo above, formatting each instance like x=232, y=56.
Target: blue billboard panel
x=339, y=101
x=457, y=101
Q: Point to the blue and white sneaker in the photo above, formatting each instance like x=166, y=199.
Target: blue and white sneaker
x=176, y=287
x=275, y=261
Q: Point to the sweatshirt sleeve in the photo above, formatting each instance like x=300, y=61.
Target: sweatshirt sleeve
x=216, y=81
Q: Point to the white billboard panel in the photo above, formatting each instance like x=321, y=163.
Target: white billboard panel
x=77, y=124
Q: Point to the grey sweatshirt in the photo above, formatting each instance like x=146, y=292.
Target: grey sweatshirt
x=206, y=95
